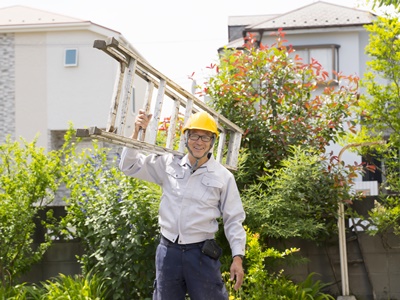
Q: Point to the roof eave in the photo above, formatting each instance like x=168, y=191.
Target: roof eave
x=86, y=25
x=309, y=29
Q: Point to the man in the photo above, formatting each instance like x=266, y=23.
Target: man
x=196, y=191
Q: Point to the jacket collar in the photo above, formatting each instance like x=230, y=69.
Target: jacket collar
x=210, y=164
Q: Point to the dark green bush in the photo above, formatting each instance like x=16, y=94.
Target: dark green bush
x=115, y=217
x=29, y=178
x=259, y=284
x=90, y=287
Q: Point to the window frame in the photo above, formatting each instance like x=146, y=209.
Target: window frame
x=66, y=57
x=334, y=48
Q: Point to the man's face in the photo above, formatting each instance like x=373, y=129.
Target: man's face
x=199, y=142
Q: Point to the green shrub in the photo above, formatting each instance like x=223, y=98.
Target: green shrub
x=115, y=217
x=29, y=178
x=259, y=284
x=90, y=287
x=275, y=98
x=300, y=198
x=74, y=287
x=18, y=292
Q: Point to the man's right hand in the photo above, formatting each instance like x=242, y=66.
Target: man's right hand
x=141, y=122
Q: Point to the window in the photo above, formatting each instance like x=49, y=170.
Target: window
x=380, y=166
x=71, y=58
x=326, y=55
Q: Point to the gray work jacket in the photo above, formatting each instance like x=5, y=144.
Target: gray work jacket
x=191, y=202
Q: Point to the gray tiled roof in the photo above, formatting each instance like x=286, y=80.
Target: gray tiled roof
x=318, y=14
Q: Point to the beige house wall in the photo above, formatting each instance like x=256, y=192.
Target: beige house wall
x=30, y=87
x=81, y=94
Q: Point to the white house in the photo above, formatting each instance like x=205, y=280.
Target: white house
x=50, y=74
x=332, y=34
x=335, y=36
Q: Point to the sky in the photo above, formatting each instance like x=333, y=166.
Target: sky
x=177, y=37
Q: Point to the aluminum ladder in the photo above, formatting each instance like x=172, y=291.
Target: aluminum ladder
x=133, y=67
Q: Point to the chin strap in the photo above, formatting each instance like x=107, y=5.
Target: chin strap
x=194, y=167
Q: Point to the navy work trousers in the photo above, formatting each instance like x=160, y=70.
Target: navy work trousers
x=182, y=269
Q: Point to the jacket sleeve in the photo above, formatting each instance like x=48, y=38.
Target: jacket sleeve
x=233, y=216
x=146, y=167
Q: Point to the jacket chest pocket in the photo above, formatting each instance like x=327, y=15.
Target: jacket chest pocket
x=210, y=191
x=173, y=180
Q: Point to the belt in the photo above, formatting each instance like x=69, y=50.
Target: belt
x=168, y=243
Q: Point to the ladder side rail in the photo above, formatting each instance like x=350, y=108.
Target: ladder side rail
x=172, y=125
x=113, y=46
x=126, y=95
x=113, y=43
x=202, y=106
x=151, y=132
x=117, y=55
x=102, y=45
x=168, y=91
x=113, y=138
x=186, y=95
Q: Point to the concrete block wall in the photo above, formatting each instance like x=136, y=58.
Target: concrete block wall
x=373, y=261
x=374, y=273
x=382, y=260
x=373, y=265
x=7, y=86
x=59, y=259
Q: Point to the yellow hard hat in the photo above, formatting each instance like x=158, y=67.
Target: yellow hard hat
x=202, y=121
